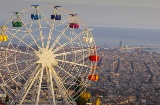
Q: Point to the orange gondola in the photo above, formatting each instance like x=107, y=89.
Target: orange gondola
x=93, y=77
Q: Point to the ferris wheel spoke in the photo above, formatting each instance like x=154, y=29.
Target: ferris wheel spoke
x=73, y=52
x=30, y=34
x=29, y=79
x=20, y=73
x=7, y=57
x=8, y=91
x=51, y=86
x=61, y=32
x=50, y=33
x=76, y=59
x=39, y=87
x=22, y=41
x=18, y=62
x=65, y=44
x=72, y=63
x=74, y=33
x=17, y=30
x=58, y=38
x=29, y=87
x=61, y=87
x=18, y=45
x=40, y=30
x=45, y=19
x=15, y=51
x=66, y=72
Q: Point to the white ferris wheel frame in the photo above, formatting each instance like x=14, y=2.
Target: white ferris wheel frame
x=51, y=55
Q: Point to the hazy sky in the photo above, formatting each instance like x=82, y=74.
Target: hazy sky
x=112, y=13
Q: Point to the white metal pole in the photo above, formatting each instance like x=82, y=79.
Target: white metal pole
x=51, y=86
x=39, y=87
x=29, y=87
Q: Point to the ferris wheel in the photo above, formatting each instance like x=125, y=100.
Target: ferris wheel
x=48, y=55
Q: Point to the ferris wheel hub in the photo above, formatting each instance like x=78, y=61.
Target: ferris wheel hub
x=46, y=57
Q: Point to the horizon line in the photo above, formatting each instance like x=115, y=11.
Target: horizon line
x=130, y=27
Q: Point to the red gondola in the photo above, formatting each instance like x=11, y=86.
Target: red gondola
x=74, y=25
x=94, y=58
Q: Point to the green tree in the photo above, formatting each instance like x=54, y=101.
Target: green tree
x=7, y=100
x=79, y=100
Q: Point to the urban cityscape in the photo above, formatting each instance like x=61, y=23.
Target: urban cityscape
x=126, y=76
x=70, y=52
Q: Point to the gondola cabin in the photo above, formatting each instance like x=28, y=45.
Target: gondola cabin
x=35, y=16
x=94, y=58
x=56, y=17
x=16, y=23
x=85, y=95
x=87, y=40
x=98, y=102
x=93, y=77
x=3, y=36
x=74, y=25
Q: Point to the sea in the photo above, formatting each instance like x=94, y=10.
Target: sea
x=131, y=37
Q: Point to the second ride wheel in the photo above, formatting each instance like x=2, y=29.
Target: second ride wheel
x=47, y=57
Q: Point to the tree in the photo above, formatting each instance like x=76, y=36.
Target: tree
x=79, y=100
x=7, y=99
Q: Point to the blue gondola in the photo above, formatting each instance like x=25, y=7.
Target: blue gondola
x=56, y=17
x=35, y=16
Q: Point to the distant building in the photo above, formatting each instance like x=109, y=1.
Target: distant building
x=105, y=45
x=114, y=65
x=120, y=44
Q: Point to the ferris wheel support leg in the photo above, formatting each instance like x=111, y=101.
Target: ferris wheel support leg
x=51, y=86
x=39, y=87
x=29, y=87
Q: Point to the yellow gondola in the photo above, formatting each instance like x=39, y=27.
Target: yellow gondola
x=86, y=95
x=98, y=102
x=3, y=36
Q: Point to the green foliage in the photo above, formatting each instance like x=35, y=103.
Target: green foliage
x=79, y=100
x=7, y=98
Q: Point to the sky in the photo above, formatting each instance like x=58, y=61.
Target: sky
x=107, y=13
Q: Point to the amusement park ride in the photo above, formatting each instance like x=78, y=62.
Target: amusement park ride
x=45, y=55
